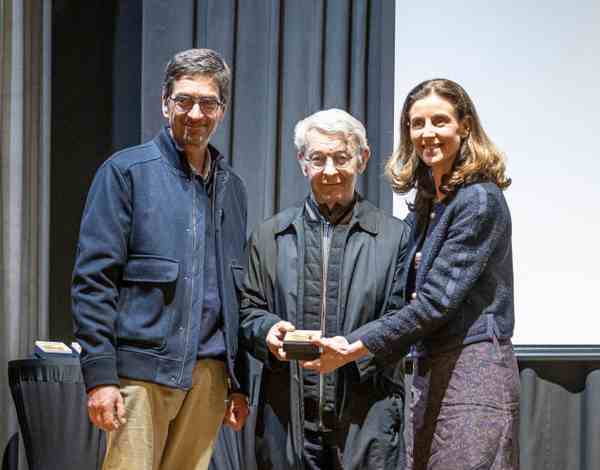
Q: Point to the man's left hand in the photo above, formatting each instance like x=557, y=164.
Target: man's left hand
x=237, y=411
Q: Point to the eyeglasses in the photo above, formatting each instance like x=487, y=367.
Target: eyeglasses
x=185, y=103
x=318, y=160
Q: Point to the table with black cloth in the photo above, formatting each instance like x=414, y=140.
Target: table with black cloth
x=50, y=400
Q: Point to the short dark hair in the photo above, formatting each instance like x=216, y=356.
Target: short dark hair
x=198, y=62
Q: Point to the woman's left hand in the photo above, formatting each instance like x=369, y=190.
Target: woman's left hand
x=335, y=352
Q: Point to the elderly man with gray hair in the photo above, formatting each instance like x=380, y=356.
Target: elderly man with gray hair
x=327, y=265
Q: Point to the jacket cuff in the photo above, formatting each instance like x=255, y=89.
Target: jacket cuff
x=99, y=371
x=262, y=352
x=370, y=336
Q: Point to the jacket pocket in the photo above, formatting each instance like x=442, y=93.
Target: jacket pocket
x=379, y=443
x=147, y=293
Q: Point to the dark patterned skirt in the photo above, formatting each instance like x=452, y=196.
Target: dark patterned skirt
x=465, y=410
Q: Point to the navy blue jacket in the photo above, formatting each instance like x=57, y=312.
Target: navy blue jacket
x=137, y=291
x=464, y=283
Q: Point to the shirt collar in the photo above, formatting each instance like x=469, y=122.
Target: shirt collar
x=364, y=216
x=176, y=157
x=338, y=215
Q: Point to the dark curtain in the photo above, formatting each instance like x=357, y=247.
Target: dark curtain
x=289, y=58
x=96, y=103
x=560, y=414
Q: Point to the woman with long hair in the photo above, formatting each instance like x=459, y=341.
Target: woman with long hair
x=458, y=285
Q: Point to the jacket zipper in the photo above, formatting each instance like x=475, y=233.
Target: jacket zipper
x=326, y=230
x=216, y=223
x=190, y=277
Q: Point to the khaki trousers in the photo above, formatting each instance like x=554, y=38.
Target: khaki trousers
x=166, y=428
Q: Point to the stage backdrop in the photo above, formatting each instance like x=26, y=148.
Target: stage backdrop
x=290, y=58
x=531, y=68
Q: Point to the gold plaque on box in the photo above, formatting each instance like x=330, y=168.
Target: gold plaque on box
x=297, y=345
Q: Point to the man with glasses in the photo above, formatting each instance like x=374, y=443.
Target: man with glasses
x=155, y=302
x=327, y=265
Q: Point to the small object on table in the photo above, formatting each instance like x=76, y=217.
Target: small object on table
x=52, y=349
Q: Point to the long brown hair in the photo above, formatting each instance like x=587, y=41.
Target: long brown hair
x=478, y=158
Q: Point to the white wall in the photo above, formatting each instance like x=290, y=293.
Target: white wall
x=532, y=68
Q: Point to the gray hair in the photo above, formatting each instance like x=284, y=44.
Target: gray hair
x=331, y=121
x=198, y=62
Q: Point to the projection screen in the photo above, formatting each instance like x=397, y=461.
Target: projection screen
x=532, y=69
